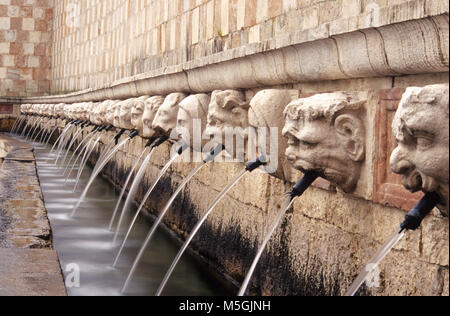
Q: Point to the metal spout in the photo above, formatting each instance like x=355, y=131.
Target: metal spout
x=214, y=153
x=133, y=134
x=304, y=183
x=159, y=141
x=415, y=217
x=252, y=165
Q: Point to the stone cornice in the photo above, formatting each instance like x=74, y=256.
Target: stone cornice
x=328, y=52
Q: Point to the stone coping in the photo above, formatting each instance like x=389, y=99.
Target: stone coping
x=337, y=50
x=28, y=264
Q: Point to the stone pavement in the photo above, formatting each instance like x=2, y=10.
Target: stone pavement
x=28, y=264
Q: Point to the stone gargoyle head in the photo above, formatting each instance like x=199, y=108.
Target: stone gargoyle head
x=136, y=114
x=166, y=117
x=151, y=107
x=421, y=129
x=264, y=115
x=193, y=110
x=228, y=109
x=109, y=106
x=326, y=134
x=68, y=111
x=117, y=106
x=125, y=114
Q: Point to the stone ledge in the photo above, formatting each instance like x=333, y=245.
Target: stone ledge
x=30, y=272
x=25, y=270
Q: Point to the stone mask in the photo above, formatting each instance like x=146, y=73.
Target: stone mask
x=136, y=114
x=151, y=106
x=110, y=111
x=421, y=129
x=227, y=108
x=265, y=109
x=102, y=113
x=194, y=107
x=125, y=114
x=325, y=134
x=166, y=117
x=117, y=107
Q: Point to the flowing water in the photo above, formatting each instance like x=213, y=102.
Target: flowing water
x=71, y=141
x=374, y=262
x=89, y=149
x=133, y=190
x=94, y=175
x=196, y=228
x=138, y=212
x=60, y=137
x=282, y=205
x=84, y=142
x=127, y=181
x=16, y=124
x=85, y=243
x=155, y=225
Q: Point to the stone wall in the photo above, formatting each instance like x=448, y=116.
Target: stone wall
x=25, y=47
x=97, y=43
x=121, y=49
x=8, y=112
x=327, y=237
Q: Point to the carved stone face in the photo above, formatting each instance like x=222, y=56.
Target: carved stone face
x=228, y=108
x=136, y=114
x=264, y=112
x=166, y=117
x=101, y=113
x=117, y=107
x=194, y=107
x=421, y=128
x=89, y=112
x=325, y=134
x=67, y=110
x=125, y=114
x=109, y=111
x=151, y=107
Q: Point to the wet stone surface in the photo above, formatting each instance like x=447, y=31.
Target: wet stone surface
x=28, y=265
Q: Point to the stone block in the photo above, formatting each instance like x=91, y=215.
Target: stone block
x=5, y=23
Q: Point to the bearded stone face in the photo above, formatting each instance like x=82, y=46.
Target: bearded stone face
x=325, y=134
x=67, y=110
x=125, y=114
x=117, y=106
x=166, y=117
x=151, y=107
x=193, y=115
x=89, y=112
x=264, y=113
x=110, y=111
x=137, y=112
x=102, y=113
x=228, y=110
x=421, y=129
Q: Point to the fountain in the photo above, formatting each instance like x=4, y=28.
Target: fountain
x=164, y=122
x=102, y=163
x=137, y=121
x=191, y=110
x=228, y=106
x=324, y=137
x=421, y=129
